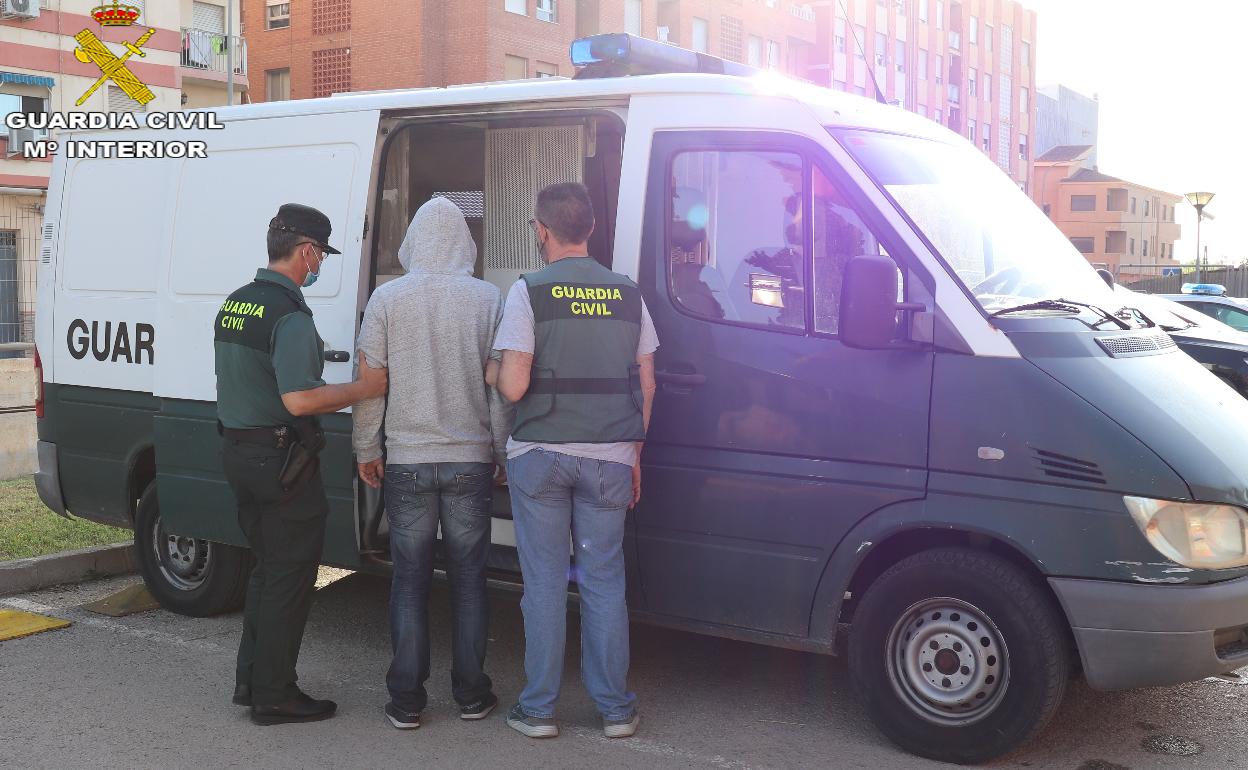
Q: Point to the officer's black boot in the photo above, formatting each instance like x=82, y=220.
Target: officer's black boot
x=301, y=708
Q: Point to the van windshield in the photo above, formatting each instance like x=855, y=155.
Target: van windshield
x=996, y=240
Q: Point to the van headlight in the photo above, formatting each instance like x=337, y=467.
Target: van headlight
x=1197, y=535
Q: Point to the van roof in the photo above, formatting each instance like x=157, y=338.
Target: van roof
x=831, y=107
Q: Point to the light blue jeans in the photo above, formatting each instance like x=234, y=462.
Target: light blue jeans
x=553, y=496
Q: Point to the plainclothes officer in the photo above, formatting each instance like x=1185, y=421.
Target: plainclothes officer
x=269, y=361
x=578, y=358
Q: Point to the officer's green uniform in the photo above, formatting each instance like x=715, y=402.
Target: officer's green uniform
x=267, y=345
x=585, y=384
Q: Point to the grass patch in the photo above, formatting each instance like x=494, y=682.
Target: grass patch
x=28, y=528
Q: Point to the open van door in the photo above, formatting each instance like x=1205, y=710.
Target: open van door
x=223, y=207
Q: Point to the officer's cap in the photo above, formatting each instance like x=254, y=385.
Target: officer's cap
x=305, y=221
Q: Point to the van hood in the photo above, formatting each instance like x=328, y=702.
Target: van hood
x=1194, y=422
x=438, y=241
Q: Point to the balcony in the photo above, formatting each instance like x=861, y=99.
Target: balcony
x=206, y=54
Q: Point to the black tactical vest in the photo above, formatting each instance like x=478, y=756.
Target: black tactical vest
x=585, y=386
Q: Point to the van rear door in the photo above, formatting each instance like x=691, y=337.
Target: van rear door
x=223, y=207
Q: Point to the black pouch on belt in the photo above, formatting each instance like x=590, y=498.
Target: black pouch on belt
x=301, y=455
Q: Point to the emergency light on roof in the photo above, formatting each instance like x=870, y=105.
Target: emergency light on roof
x=1215, y=289
x=621, y=54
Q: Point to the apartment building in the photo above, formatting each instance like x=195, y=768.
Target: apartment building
x=1066, y=117
x=184, y=65
x=1122, y=226
x=967, y=64
x=322, y=47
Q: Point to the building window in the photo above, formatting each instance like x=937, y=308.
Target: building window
x=547, y=11
x=940, y=14
x=988, y=37
x=1026, y=54
x=632, y=17
x=516, y=6
x=1144, y=248
x=922, y=64
x=923, y=10
x=986, y=87
x=26, y=105
x=1084, y=245
x=515, y=67
x=276, y=15
x=1022, y=147
x=972, y=76
x=277, y=85
x=773, y=54
x=331, y=72
x=986, y=138
x=1133, y=204
x=923, y=110
x=1083, y=203
x=938, y=117
x=1115, y=241
x=1116, y=199
x=1146, y=202
x=330, y=16
x=899, y=55
x=1131, y=247
x=901, y=7
x=940, y=69
x=120, y=101
x=973, y=33
x=545, y=69
x=840, y=36
x=1024, y=100
x=881, y=43
x=701, y=36
x=731, y=38
x=970, y=129
x=754, y=51
x=860, y=39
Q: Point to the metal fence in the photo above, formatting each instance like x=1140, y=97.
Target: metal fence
x=20, y=218
x=1235, y=279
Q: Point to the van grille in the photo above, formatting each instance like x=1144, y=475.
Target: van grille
x=1062, y=466
x=1126, y=345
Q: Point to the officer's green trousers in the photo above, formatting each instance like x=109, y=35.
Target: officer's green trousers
x=286, y=531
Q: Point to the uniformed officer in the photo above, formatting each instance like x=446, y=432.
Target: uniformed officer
x=578, y=358
x=269, y=361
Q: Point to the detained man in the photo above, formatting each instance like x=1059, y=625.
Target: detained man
x=445, y=432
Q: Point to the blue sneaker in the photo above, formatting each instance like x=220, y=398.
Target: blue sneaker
x=533, y=727
x=621, y=728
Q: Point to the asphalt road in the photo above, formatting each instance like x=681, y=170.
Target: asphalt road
x=152, y=691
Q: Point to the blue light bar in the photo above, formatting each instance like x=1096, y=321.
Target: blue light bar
x=620, y=54
x=1214, y=289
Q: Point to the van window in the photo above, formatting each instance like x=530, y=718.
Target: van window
x=839, y=235
x=735, y=246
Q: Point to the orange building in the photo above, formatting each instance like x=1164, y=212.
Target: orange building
x=320, y=47
x=1122, y=226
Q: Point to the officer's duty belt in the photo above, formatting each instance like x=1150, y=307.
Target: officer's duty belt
x=278, y=437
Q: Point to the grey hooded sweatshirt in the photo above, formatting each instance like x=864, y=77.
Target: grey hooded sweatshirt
x=433, y=329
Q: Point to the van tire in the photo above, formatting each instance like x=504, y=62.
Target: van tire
x=997, y=675
x=190, y=577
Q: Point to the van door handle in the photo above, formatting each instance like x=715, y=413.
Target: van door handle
x=337, y=356
x=681, y=379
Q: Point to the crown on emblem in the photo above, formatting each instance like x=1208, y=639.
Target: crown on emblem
x=115, y=15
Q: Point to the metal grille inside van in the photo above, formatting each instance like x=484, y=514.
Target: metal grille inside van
x=1137, y=344
x=518, y=163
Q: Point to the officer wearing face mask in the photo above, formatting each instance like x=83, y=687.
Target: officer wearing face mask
x=269, y=361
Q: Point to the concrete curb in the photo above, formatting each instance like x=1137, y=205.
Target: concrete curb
x=39, y=572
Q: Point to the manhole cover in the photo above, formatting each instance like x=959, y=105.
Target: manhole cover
x=1172, y=745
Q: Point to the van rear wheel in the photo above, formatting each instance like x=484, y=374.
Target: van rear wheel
x=958, y=655
x=188, y=576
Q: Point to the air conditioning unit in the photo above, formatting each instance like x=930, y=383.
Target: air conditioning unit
x=18, y=137
x=19, y=9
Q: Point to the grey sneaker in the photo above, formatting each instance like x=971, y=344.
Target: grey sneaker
x=479, y=710
x=402, y=720
x=533, y=727
x=621, y=728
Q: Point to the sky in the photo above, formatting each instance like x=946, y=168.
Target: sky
x=1169, y=75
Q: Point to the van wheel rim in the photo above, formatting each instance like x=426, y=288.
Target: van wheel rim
x=948, y=662
x=183, y=561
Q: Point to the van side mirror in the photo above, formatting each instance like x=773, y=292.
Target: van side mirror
x=869, y=302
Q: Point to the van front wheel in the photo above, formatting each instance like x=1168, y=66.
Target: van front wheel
x=187, y=575
x=958, y=655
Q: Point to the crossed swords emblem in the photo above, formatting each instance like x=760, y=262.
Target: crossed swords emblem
x=92, y=49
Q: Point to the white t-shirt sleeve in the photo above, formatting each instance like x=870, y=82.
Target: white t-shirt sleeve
x=515, y=331
x=648, y=342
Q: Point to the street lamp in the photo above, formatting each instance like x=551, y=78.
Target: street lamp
x=1199, y=200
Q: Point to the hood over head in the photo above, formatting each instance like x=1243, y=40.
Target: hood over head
x=438, y=241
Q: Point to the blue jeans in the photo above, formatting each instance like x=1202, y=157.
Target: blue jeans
x=418, y=498
x=553, y=496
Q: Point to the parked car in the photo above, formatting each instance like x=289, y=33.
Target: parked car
x=1219, y=347
x=1231, y=311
